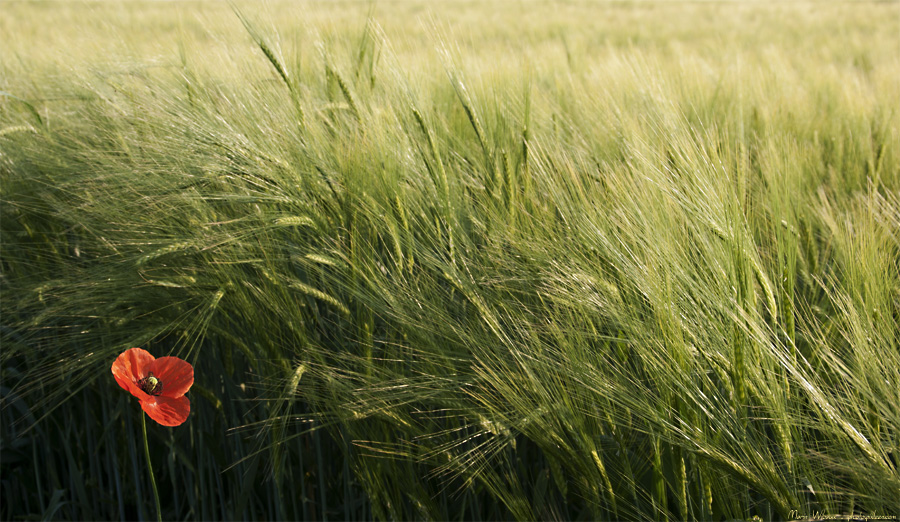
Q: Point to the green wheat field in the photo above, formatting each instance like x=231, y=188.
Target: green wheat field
x=453, y=260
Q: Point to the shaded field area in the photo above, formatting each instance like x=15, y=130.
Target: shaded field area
x=509, y=260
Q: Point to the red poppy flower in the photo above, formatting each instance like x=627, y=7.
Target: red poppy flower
x=160, y=384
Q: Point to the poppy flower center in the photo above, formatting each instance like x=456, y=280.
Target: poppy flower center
x=150, y=384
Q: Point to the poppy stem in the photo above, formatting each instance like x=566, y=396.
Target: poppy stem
x=150, y=467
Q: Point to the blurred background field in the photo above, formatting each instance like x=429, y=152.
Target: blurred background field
x=453, y=260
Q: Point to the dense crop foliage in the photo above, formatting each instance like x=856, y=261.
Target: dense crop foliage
x=503, y=260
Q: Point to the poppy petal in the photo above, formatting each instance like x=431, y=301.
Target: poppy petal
x=166, y=410
x=130, y=367
x=176, y=375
